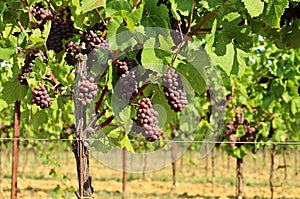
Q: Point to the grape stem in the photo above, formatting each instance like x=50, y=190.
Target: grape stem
x=99, y=102
x=140, y=91
x=194, y=32
x=137, y=4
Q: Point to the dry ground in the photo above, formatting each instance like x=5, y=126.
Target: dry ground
x=193, y=180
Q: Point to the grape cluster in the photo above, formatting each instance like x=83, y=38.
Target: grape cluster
x=174, y=90
x=72, y=50
x=124, y=64
x=92, y=41
x=27, y=67
x=88, y=90
x=129, y=83
x=41, y=97
x=41, y=13
x=62, y=27
x=147, y=118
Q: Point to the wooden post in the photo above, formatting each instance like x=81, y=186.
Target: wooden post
x=273, y=152
x=239, y=178
x=213, y=168
x=15, y=153
x=124, y=170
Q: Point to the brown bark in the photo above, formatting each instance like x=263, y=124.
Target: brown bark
x=145, y=162
x=15, y=153
x=273, y=152
x=239, y=177
x=264, y=156
x=174, y=154
x=80, y=148
x=296, y=162
x=124, y=170
x=284, y=164
x=206, y=157
x=213, y=168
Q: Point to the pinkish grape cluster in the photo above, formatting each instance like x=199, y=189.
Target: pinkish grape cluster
x=88, y=90
x=41, y=13
x=124, y=64
x=174, y=90
x=41, y=97
x=129, y=84
x=72, y=50
x=147, y=118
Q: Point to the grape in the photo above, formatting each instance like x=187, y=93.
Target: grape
x=129, y=83
x=125, y=64
x=174, y=90
x=41, y=97
x=147, y=118
x=88, y=90
x=61, y=28
x=29, y=62
x=40, y=13
x=93, y=41
x=22, y=79
x=54, y=41
x=72, y=50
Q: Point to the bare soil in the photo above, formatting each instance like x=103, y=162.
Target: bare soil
x=55, y=177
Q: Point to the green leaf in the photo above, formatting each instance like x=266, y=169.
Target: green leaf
x=117, y=6
x=6, y=53
x=160, y=104
x=183, y=6
x=273, y=11
x=3, y=104
x=155, y=16
x=39, y=118
x=115, y=133
x=126, y=121
x=46, y=30
x=13, y=90
x=194, y=76
x=88, y=5
x=125, y=143
x=118, y=36
x=150, y=59
x=254, y=7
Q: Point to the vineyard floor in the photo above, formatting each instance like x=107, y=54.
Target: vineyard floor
x=54, y=176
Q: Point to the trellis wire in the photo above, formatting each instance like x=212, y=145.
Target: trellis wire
x=171, y=141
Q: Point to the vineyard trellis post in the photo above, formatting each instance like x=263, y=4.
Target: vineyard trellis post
x=15, y=153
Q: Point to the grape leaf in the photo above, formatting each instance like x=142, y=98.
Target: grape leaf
x=273, y=11
x=13, y=90
x=155, y=16
x=254, y=7
x=117, y=6
x=183, y=6
x=88, y=5
x=6, y=53
x=193, y=76
x=125, y=143
x=160, y=103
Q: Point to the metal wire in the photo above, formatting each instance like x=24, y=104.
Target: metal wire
x=171, y=141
